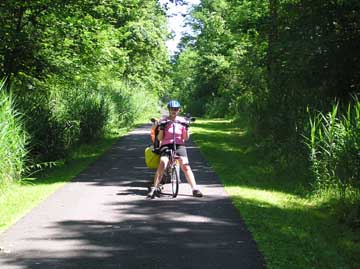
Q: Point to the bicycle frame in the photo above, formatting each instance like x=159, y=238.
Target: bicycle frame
x=172, y=169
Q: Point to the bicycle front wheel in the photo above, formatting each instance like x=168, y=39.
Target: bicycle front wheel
x=175, y=179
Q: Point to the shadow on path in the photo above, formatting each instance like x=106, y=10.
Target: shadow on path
x=102, y=220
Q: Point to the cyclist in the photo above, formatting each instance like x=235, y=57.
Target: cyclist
x=165, y=137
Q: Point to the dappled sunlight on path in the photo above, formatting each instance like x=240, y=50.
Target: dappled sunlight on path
x=102, y=220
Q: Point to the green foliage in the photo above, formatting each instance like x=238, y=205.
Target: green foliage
x=127, y=103
x=13, y=141
x=272, y=59
x=58, y=120
x=80, y=69
x=228, y=65
x=308, y=61
x=334, y=145
x=83, y=109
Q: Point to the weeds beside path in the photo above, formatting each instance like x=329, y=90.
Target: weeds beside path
x=292, y=229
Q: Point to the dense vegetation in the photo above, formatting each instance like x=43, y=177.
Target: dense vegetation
x=12, y=142
x=77, y=70
x=282, y=63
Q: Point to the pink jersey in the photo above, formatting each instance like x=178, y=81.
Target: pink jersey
x=180, y=132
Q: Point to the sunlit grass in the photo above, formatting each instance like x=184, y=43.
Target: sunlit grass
x=18, y=199
x=292, y=227
x=268, y=198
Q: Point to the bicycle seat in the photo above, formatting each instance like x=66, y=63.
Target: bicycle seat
x=168, y=152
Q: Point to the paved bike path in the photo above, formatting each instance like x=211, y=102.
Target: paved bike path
x=102, y=220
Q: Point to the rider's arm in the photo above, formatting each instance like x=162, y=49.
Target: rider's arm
x=185, y=134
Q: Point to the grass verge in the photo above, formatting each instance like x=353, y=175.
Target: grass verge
x=20, y=197
x=292, y=228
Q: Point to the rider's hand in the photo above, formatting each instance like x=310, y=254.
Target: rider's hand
x=186, y=125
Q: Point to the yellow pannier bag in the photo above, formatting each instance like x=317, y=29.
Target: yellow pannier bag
x=152, y=159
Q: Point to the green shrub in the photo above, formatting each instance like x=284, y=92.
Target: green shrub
x=84, y=111
x=128, y=103
x=13, y=141
x=62, y=113
x=334, y=145
x=93, y=115
x=218, y=107
x=59, y=115
x=52, y=131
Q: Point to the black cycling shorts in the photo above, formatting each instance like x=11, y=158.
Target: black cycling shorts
x=180, y=150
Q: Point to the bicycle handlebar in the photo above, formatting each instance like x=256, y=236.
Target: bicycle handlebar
x=186, y=123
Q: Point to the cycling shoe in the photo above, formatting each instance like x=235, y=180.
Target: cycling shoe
x=197, y=193
x=153, y=192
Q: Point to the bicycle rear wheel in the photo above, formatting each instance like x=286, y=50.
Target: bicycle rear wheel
x=175, y=179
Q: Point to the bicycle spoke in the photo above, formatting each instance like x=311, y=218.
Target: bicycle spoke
x=175, y=176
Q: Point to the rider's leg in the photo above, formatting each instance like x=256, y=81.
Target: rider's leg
x=160, y=170
x=185, y=167
x=158, y=175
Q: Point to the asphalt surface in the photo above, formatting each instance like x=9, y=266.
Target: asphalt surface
x=102, y=220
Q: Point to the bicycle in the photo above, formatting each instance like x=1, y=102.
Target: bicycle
x=172, y=169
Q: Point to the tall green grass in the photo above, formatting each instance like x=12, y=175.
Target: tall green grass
x=129, y=103
x=60, y=114
x=334, y=145
x=13, y=141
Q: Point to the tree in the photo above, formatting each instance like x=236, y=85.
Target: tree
x=95, y=57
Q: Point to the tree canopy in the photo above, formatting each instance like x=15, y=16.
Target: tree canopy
x=108, y=54
x=270, y=59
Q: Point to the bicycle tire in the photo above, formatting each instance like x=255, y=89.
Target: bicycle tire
x=175, y=179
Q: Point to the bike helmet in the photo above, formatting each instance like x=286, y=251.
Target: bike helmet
x=173, y=104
